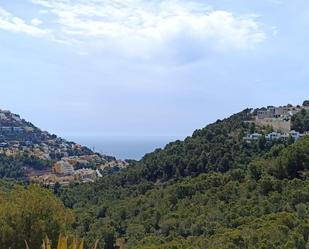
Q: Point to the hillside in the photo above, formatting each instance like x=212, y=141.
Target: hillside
x=215, y=190
x=219, y=147
x=25, y=150
x=214, y=210
x=233, y=184
x=17, y=134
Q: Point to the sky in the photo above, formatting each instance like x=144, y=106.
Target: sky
x=149, y=67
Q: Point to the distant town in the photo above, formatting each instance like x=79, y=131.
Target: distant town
x=64, y=162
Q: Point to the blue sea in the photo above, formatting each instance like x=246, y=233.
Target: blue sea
x=123, y=147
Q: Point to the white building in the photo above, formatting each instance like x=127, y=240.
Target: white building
x=273, y=136
x=254, y=136
x=295, y=134
x=98, y=173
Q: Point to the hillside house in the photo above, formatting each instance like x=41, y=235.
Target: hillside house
x=252, y=137
x=276, y=135
x=295, y=134
x=273, y=136
x=63, y=168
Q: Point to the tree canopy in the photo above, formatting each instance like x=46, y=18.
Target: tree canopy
x=212, y=190
x=31, y=214
x=300, y=121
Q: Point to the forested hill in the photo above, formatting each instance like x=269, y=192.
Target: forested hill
x=262, y=205
x=218, y=147
x=213, y=190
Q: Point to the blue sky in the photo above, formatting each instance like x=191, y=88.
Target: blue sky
x=149, y=68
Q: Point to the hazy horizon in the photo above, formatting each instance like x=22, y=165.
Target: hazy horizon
x=128, y=147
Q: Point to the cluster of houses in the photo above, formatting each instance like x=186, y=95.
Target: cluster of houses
x=76, y=169
x=279, y=119
x=275, y=136
x=44, y=149
x=73, y=161
x=64, y=173
x=63, y=168
x=69, y=176
x=67, y=165
x=19, y=136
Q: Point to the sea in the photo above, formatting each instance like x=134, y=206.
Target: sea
x=124, y=147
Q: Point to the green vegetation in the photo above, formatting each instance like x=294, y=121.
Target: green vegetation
x=300, y=121
x=30, y=214
x=214, y=190
x=263, y=206
x=306, y=103
x=15, y=166
x=10, y=167
x=218, y=147
x=209, y=188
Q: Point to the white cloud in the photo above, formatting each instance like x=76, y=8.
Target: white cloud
x=36, y=22
x=11, y=23
x=144, y=28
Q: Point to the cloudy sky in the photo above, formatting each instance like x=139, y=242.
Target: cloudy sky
x=149, y=67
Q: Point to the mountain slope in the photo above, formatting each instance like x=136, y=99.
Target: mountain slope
x=214, y=190
x=19, y=134
x=235, y=209
x=217, y=147
x=27, y=150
